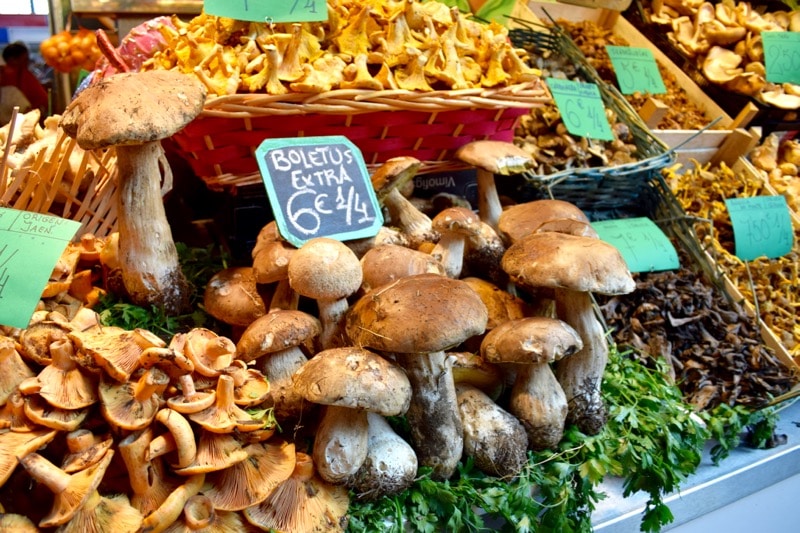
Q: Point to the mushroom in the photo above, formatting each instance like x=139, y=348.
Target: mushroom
x=455, y=225
x=537, y=400
x=249, y=482
x=62, y=382
x=14, y=368
x=250, y=386
x=327, y=271
x=276, y=341
x=112, y=349
x=574, y=267
x=386, y=263
x=101, y=513
x=390, y=465
x=168, y=512
x=85, y=449
x=224, y=416
x=149, y=481
x=17, y=523
x=40, y=412
x=190, y=400
x=199, y=515
x=721, y=65
x=210, y=353
x=133, y=112
x=71, y=491
x=519, y=220
x=215, y=451
x=492, y=436
x=350, y=382
x=14, y=445
x=417, y=318
x=303, y=503
x=491, y=158
x=232, y=296
x=387, y=180
x=133, y=404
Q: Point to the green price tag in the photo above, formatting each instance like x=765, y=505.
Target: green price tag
x=581, y=108
x=269, y=10
x=641, y=242
x=782, y=56
x=636, y=70
x=762, y=226
x=319, y=187
x=30, y=246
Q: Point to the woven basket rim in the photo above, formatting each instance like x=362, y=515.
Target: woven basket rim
x=356, y=101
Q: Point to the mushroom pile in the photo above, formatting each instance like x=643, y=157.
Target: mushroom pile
x=779, y=160
x=121, y=430
x=724, y=41
x=275, y=422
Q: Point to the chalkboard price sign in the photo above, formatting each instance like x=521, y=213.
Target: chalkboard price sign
x=319, y=187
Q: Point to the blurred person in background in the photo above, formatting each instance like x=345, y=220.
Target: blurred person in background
x=11, y=97
x=16, y=72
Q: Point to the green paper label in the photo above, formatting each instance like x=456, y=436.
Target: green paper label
x=641, y=242
x=782, y=56
x=636, y=70
x=319, y=187
x=762, y=226
x=30, y=246
x=581, y=108
x=269, y=11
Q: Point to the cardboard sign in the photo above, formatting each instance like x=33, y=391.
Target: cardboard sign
x=636, y=70
x=269, y=11
x=641, y=242
x=782, y=56
x=30, y=246
x=581, y=108
x=319, y=187
x=762, y=226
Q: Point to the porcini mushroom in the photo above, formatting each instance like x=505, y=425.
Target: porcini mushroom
x=231, y=295
x=327, y=271
x=350, y=382
x=574, y=266
x=491, y=158
x=519, y=220
x=386, y=263
x=455, y=225
x=133, y=112
x=445, y=313
x=537, y=400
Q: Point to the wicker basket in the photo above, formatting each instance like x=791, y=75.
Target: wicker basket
x=83, y=189
x=220, y=144
x=601, y=190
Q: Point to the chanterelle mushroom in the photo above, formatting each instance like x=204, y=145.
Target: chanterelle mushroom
x=133, y=112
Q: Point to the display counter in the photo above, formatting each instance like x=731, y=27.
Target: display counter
x=754, y=483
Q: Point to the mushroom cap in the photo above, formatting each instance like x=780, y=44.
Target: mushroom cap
x=278, y=330
x=355, y=378
x=133, y=108
x=14, y=444
x=232, y=296
x=721, y=65
x=215, y=451
x=559, y=260
x=519, y=220
x=498, y=157
x=324, y=269
x=127, y=406
x=394, y=173
x=271, y=263
x=386, y=263
x=531, y=340
x=500, y=304
x=40, y=412
x=457, y=220
x=417, y=314
x=570, y=226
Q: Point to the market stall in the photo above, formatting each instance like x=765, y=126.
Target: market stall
x=379, y=360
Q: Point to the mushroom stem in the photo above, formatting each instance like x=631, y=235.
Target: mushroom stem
x=449, y=251
x=489, y=205
x=436, y=431
x=332, y=317
x=181, y=431
x=147, y=253
x=581, y=374
x=46, y=472
x=279, y=367
x=411, y=221
x=539, y=403
x=198, y=512
x=153, y=381
x=340, y=443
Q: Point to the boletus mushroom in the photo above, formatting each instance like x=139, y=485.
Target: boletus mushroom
x=132, y=112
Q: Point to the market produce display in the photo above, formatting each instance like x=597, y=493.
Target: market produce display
x=374, y=45
x=67, y=51
x=777, y=158
x=724, y=42
x=774, y=287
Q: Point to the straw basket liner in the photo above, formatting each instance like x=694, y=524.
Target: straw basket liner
x=220, y=144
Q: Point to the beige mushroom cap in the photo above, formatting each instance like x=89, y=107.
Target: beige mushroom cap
x=394, y=173
x=519, y=220
x=559, y=260
x=386, y=263
x=279, y=330
x=324, y=269
x=530, y=340
x=133, y=108
x=417, y=314
x=232, y=296
x=355, y=378
x=498, y=157
x=457, y=220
